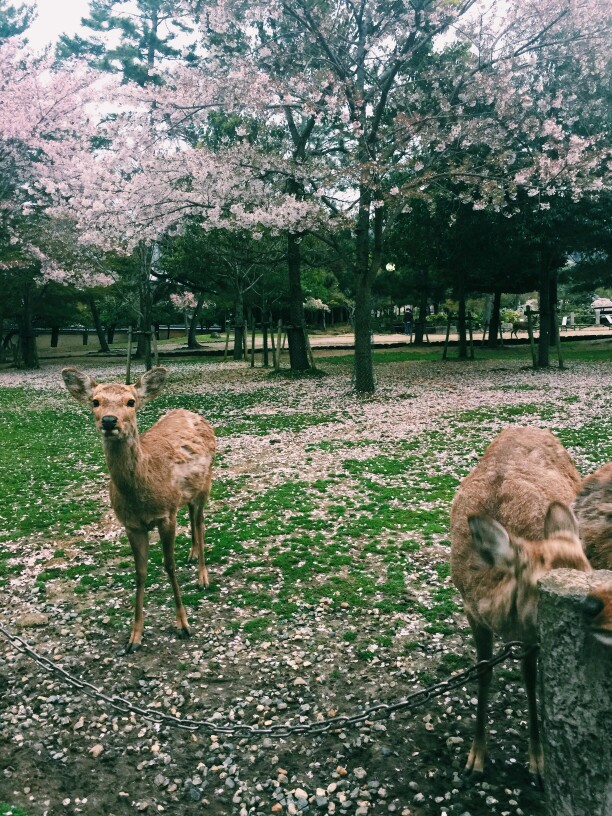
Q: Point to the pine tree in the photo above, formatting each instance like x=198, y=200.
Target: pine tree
x=14, y=20
x=131, y=37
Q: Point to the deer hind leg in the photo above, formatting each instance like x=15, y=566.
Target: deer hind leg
x=196, y=515
x=139, y=541
x=536, y=755
x=167, y=534
x=483, y=639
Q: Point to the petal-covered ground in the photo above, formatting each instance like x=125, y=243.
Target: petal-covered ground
x=327, y=543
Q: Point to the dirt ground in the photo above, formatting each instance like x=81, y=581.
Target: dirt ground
x=62, y=752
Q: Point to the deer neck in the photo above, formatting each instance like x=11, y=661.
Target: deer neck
x=126, y=459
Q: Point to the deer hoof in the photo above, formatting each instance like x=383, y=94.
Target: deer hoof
x=183, y=633
x=537, y=780
x=471, y=777
x=129, y=648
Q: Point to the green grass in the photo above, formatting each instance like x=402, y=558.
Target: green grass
x=51, y=462
x=359, y=524
x=11, y=810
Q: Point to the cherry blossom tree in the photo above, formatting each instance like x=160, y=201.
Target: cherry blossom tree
x=343, y=114
x=39, y=107
x=434, y=90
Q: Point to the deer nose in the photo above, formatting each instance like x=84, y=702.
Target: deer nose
x=109, y=423
x=592, y=606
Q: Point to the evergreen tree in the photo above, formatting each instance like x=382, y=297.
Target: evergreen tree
x=14, y=20
x=131, y=37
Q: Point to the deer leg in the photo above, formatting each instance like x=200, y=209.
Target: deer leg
x=483, y=639
x=167, y=534
x=193, y=552
x=196, y=514
x=139, y=541
x=536, y=755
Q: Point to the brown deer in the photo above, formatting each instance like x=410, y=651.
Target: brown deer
x=598, y=610
x=152, y=475
x=510, y=524
x=517, y=326
x=593, y=508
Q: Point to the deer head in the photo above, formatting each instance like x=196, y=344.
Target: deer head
x=114, y=405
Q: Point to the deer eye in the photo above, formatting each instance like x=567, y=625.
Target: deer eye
x=95, y=403
x=131, y=403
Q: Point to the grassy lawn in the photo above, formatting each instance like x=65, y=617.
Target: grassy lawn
x=327, y=530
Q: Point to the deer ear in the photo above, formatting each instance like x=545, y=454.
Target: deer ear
x=491, y=541
x=151, y=384
x=560, y=519
x=80, y=385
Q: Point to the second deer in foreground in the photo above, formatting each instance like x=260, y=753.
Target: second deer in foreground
x=510, y=524
x=152, y=475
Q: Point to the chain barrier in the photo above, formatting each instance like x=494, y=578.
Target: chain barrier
x=513, y=650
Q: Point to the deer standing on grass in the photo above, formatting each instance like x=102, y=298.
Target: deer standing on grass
x=152, y=475
x=510, y=524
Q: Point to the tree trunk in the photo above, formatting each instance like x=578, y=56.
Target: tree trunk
x=192, y=343
x=110, y=332
x=239, y=325
x=296, y=330
x=553, y=308
x=264, y=341
x=419, y=326
x=27, y=336
x=545, y=318
x=461, y=323
x=494, y=321
x=55, y=330
x=364, y=366
x=95, y=315
x=146, y=308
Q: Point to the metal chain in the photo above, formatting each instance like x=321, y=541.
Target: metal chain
x=514, y=650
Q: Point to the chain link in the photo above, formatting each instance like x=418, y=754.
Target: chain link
x=514, y=650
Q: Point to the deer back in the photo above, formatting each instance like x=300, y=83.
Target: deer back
x=174, y=466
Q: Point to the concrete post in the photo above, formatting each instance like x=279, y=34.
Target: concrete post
x=576, y=698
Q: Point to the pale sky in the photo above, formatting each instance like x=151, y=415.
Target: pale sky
x=56, y=17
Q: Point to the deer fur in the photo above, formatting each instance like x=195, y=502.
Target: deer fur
x=593, y=508
x=152, y=475
x=598, y=610
x=510, y=524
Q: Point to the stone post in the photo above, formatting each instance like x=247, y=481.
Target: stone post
x=575, y=672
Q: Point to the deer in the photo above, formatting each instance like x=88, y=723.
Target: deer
x=517, y=326
x=511, y=522
x=593, y=509
x=152, y=475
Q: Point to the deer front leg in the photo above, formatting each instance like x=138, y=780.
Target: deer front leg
x=536, y=755
x=139, y=541
x=483, y=638
x=167, y=534
x=196, y=517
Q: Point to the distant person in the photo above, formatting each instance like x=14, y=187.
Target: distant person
x=408, y=322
